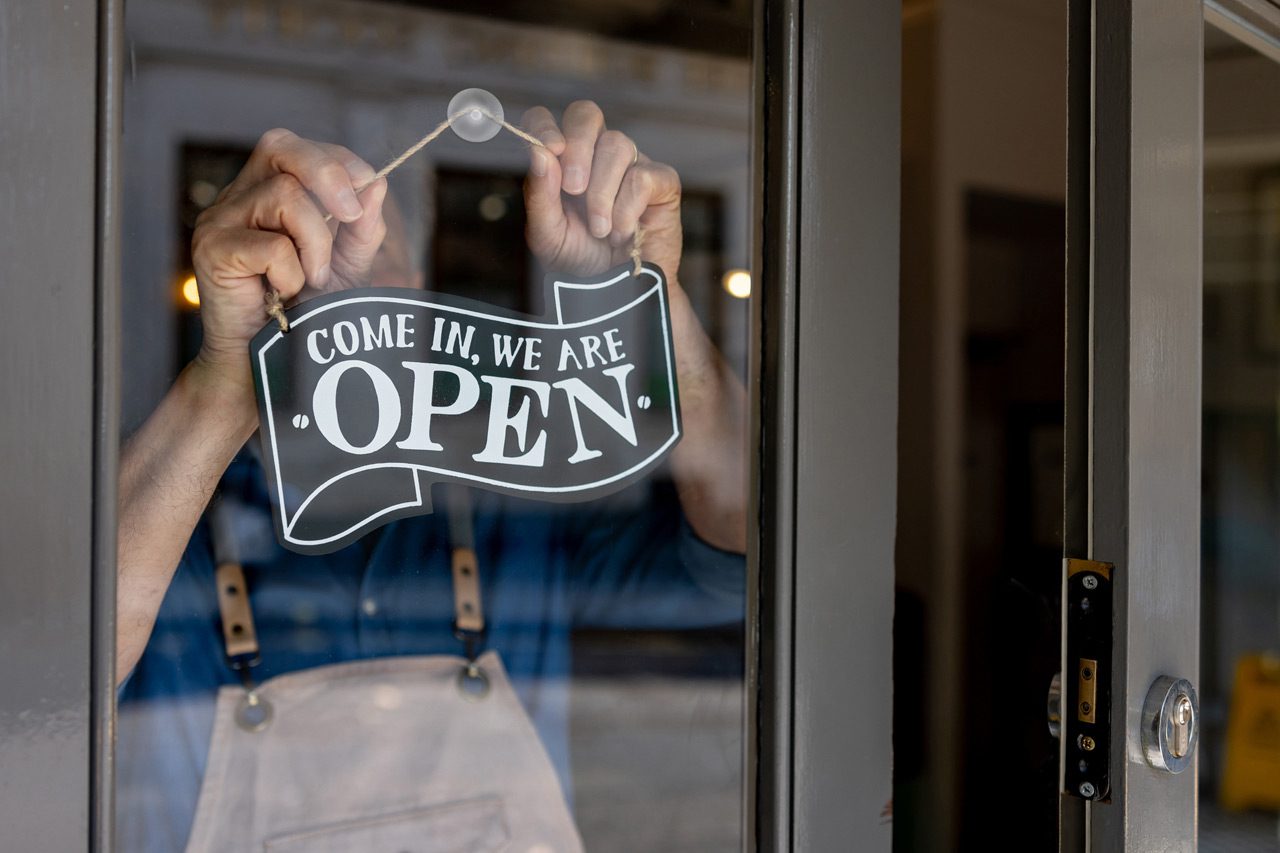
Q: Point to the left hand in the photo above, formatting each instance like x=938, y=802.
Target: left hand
x=589, y=189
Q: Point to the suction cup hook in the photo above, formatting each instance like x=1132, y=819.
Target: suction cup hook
x=475, y=115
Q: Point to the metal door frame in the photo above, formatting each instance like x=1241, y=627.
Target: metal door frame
x=825, y=365
x=824, y=423
x=1135, y=198
x=59, y=96
x=1133, y=379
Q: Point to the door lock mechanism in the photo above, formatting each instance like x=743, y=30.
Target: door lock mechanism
x=1170, y=724
x=1084, y=685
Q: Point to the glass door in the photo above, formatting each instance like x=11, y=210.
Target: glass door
x=456, y=616
x=1131, y=585
x=1171, y=426
x=1240, y=567
x=465, y=457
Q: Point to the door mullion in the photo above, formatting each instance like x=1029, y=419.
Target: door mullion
x=1143, y=436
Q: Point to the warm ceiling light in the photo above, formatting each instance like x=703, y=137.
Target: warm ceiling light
x=738, y=283
x=493, y=207
x=190, y=292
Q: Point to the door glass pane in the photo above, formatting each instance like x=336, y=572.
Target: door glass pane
x=1240, y=597
x=979, y=549
x=442, y=634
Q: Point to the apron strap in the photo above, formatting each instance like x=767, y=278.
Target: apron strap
x=468, y=613
x=238, y=634
x=240, y=638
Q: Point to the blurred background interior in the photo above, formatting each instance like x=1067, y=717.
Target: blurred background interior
x=656, y=717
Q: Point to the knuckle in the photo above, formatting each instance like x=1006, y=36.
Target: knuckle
x=586, y=109
x=223, y=209
x=358, y=168
x=332, y=172
x=660, y=175
x=203, y=219
x=205, y=239
x=285, y=188
x=645, y=180
x=275, y=137
x=535, y=115
x=615, y=142
x=281, y=247
x=199, y=245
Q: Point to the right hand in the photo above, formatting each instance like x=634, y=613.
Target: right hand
x=269, y=223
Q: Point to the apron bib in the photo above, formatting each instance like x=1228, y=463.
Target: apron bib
x=423, y=754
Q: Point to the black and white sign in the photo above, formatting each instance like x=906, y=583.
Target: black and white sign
x=375, y=394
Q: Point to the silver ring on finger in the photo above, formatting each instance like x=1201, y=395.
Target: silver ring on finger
x=635, y=158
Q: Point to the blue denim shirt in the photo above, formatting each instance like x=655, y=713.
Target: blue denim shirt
x=630, y=560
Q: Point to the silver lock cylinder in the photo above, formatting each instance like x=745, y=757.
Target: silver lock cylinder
x=1170, y=724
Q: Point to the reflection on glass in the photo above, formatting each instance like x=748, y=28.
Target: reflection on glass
x=1240, y=605
x=347, y=701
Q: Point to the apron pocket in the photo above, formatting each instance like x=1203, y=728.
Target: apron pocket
x=471, y=826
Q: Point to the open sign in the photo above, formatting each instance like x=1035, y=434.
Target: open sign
x=375, y=394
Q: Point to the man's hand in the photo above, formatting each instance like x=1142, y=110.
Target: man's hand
x=270, y=224
x=590, y=188
x=586, y=194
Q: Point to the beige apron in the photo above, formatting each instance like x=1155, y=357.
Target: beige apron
x=422, y=754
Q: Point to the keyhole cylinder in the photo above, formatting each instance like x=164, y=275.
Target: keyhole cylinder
x=1180, y=743
x=1169, y=724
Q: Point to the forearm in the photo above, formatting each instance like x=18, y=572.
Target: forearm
x=168, y=471
x=710, y=462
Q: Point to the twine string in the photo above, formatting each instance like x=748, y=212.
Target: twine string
x=275, y=307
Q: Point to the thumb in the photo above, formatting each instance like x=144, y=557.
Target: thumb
x=357, y=243
x=545, y=220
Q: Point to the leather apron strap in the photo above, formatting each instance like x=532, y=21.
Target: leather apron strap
x=468, y=612
x=239, y=637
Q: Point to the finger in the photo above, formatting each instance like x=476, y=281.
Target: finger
x=613, y=156
x=357, y=243
x=645, y=185
x=282, y=151
x=545, y=222
x=540, y=123
x=360, y=171
x=370, y=228
x=283, y=205
x=233, y=255
x=583, y=123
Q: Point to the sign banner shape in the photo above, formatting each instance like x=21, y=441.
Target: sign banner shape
x=374, y=394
